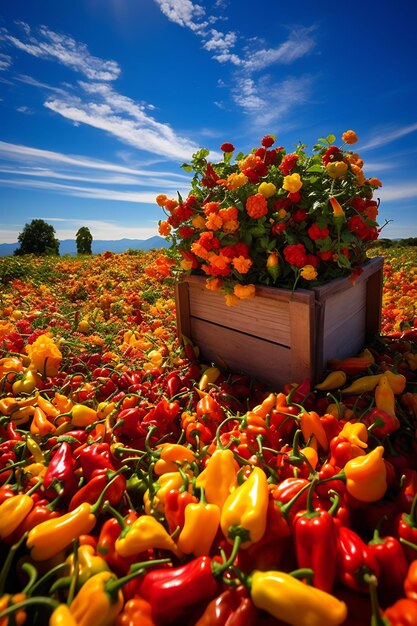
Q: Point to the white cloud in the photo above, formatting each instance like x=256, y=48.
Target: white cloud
x=221, y=44
x=388, y=135
x=149, y=135
x=184, y=13
x=297, y=45
x=47, y=44
x=400, y=191
x=18, y=153
x=5, y=62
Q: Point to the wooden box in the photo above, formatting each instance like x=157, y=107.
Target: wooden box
x=282, y=336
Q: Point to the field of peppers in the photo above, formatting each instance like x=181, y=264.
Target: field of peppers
x=142, y=486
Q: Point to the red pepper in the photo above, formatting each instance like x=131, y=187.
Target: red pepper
x=172, y=592
x=393, y=566
x=381, y=423
x=163, y=416
x=59, y=477
x=209, y=410
x=129, y=423
x=316, y=543
x=287, y=490
x=408, y=489
x=95, y=486
x=402, y=613
x=407, y=530
x=233, y=607
x=354, y=560
x=94, y=457
x=174, y=508
x=109, y=533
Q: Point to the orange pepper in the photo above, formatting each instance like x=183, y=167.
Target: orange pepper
x=40, y=424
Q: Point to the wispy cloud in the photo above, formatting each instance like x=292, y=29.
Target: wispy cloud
x=389, y=135
x=5, y=62
x=401, y=191
x=27, y=154
x=248, y=57
x=47, y=44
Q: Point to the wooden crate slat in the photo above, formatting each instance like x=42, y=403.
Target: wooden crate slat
x=282, y=336
x=237, y=352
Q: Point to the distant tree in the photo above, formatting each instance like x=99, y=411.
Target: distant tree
x=37, y=238
x=83, y=239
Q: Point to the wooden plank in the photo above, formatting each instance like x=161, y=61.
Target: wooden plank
x=302, y=340
x=374, y=288
x=343, y=284
x=231, y=350
x=182, y=310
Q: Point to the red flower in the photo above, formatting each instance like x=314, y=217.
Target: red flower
x=325, y=255
x=287, y=163
x=227, y=147
x=294, y=197
x=314, y=232
x=332, y=154
x=267, y=141
x=186, y=232
x=299, y=215
x=296, y=255
x=281, y=203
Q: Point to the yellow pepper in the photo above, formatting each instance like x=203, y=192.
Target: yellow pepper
x=155, y=501
x=82, y=415
x=89, y=563
x=396, y=381
x=200, y=528
x=12, y=513
x=145, y=533
x=50, y=537
x=40, y=425
x=47, y=407
x=356, y=433
x=311, y=426
x=172, y=455
x=209, y=376
x=334, y=380
x=62, y=616
x=245, y=511
x=22, y=414
x=384, y=396
x=266, y=406
x=362, y=385
x=366, y=476
x=95, y=604
x=290, y=600
x=35, y=450
x=219, y=477
x=29, y=381
x=62, y=403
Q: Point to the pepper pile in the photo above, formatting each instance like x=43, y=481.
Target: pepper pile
x=174, y=493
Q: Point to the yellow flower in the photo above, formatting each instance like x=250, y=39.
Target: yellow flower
x=267, y=189
x=186, y=265
x=336, y=169
x=198, y=222
x=45, y=355
x=242, y=264
x=308, y=272
x=350, y=137
x=244, y=292
x=292, y=183
x=235, y=181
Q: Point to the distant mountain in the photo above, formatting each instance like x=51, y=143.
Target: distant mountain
x=68, y=246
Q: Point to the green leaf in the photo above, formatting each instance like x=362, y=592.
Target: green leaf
x=186, y=167
x=274, y=271
x=315, y=168
x=331, y=138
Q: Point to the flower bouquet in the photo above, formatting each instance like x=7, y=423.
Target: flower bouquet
x=273, y=218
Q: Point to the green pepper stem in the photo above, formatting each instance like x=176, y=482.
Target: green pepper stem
x=45, y=577
x=32, y=572
x=8, y=562
x=52, y=604
x=97, y=505
x=408, y=543
x=410, y=519
x=75, y=574
x=113, y=586
x=219, y=568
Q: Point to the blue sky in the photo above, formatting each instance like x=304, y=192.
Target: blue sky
x=101, y=101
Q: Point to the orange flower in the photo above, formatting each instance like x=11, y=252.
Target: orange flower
x=308, y=272
x=374, y=182
x=230, y=226
x=230, y=213
x=45, y=355
x=242, y=264
x=164, y=229
x=256, y=206
x=249, y=162
x=231, y=299
x=199, y=250
x=213, y=284
x=211, y=207
x=244, y=292
x=161, y=199
x=214, y=221
x=350, y=137
x=198, y=222
x=170, y=205
x=371, y=212
x=218, y=260
x=6, y=328
x=360, y=176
